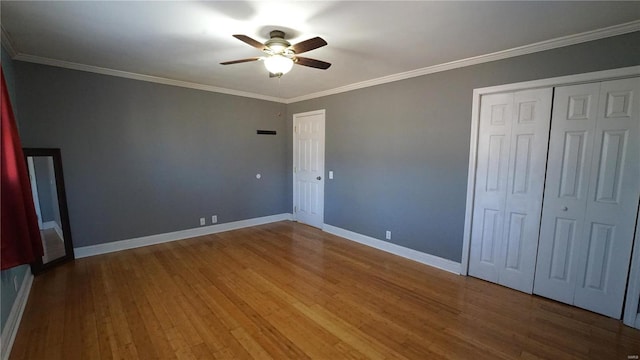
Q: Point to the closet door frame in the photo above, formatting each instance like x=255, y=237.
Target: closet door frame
x=614, y=74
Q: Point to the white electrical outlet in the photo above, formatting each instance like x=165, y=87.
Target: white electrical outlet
x=214, y=219
x=202, y=221
x=331, y=175
x=387, y=235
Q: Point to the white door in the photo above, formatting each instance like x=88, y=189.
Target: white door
x=308, y=168
x=512, y=149
x=591, y=195
x=570, y=150
x=525, y=186
x=491, y=185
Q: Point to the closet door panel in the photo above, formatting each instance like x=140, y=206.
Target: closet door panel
x=612, y=203
x=512, y=151
x=491, y=184
x=566, y=189
x=527, y=163
x=564, y=237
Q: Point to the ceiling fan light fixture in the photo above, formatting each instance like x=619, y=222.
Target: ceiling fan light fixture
x=278, y=64
x=280, y=56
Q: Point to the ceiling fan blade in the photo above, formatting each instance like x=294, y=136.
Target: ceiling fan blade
x=239, y=61
x=318, y=64
x=308, y=45
x=255, y=43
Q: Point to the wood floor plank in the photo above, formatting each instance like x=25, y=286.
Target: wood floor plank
x=250, y=344
x=350, y=336
x=289, y=291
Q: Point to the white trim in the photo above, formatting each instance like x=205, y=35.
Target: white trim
x=311, y=113
x=471, y=183
x=631, y=316
x=53, y=225
x=475, y=122
x=58, y=231
x=142, y=77
x=595, y=76
x=424, y=258
x=86, y=251
x=499, y=55
x=569, y=40
x=10, y=328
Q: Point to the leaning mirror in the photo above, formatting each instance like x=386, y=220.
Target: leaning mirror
x=49, y=197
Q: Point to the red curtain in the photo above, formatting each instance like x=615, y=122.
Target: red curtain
x=19, y=225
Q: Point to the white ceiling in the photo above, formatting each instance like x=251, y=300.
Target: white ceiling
x=186, y=41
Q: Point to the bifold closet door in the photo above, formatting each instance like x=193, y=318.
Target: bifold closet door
x=591, y=195
x=511, y=157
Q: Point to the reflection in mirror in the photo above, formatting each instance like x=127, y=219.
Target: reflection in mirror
x=45, y=197
x=47, y=187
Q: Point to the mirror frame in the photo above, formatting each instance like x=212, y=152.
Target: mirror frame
x=38, y=267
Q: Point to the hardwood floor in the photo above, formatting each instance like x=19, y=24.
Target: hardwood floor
x=288, y=291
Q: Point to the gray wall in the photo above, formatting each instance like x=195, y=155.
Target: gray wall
x=8, y=292
x=400, y=151
x=141, y=158
x=8, y=70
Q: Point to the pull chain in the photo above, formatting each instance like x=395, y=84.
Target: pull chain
x=279, y=86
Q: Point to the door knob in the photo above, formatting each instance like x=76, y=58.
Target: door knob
x=319, y=178
x=564, y=208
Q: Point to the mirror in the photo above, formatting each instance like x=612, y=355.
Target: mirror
x=47, y=187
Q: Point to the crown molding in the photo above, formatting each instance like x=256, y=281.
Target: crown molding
x=142, y=77
x=7, y=42
x=499, y=55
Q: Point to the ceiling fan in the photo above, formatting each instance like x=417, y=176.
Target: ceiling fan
x=281, y=55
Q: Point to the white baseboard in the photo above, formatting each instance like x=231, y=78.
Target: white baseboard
x=53, y=225
x=86, y=251
x=424, y=258
x=427, y=259
x=10, y=328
